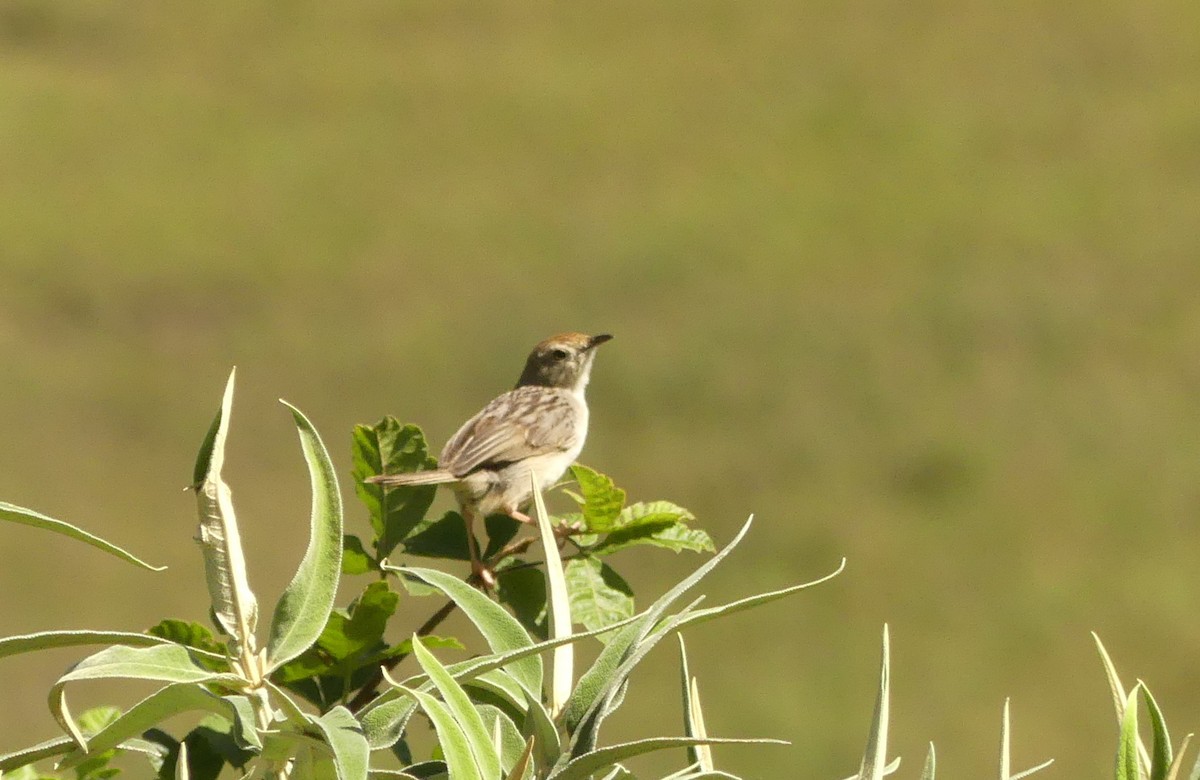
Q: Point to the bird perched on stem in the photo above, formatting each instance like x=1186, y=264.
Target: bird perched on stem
x=537, y=428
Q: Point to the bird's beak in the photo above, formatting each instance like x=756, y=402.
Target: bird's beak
x=596, y=341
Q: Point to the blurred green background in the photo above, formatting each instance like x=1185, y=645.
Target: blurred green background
x=917, y=283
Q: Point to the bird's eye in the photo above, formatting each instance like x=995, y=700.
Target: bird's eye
x=558, y=354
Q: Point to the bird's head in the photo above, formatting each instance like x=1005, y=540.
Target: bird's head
x=562, y=361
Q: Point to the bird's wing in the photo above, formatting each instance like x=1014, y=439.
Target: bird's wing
x=521, y=423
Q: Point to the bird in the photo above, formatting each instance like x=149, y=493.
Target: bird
x=529, y=434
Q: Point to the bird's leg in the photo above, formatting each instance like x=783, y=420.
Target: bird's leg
x=562, y=531
x=479, y=571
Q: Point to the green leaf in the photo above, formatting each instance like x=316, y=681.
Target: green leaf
x=345, y=738
x=693, y=714
x=355, y=558
x=599, y=596
x=166, y=703
x=165, y=663
x=582, y=767
x=453, y=741
x=523, y=590
x=600, y=683
x=562, y=657
x=392, y=448
x=500, y=629
x=18, y=514
x=521, y=767
x=361, y=628
x=875, y=755
x=45, y=640
x=1127, y=745
x=1161, y=756
x=672, y=535
x=504, y=735
x=463, y=711
x=350, y=648
x=1119, y=696
x=212, y=744
x=385, y=717
x=212, y=653
x=602, y=500
x=305, y=605
x=442, y=538
x=39, y=752
x=233, y=602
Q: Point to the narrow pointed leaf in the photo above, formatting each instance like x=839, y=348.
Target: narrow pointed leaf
x=585, y=737
x=875, y=756
x=693, y=717
x=1127, y=746
x=167, y=703
x=598, y=682
x=384, y=719
x=500, y=629
x=181, y=764
x=453, y=741
x=563, y=656
x=1005, y=745
x=1177, y=765
x=462, y=710
x=39, y=752
x=307, y=601
x=45, y=640
x=522, y=765
x=582, y=767
x=233, y=602
x=1119, y=697
x=708, y=613
x=887, y=770
x=1114, y=681
x=1028, y=772
x=19, y=514
x=345, y=738
x=164, y=663
x=930, y=764
x=1161, y=756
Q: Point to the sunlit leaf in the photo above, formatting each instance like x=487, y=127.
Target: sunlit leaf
x=391, y=448
x=233, y=602
x=602, y=500
x=463, y=712
x=599, y=596
x=355, y=558
x=18, y=514
x=302, y=610
x=1127, y=745
x=345, y=739
x=875, y=755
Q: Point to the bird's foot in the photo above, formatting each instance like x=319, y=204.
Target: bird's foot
x=483, y=575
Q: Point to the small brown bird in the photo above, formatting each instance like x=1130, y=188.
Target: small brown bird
x=536, y=428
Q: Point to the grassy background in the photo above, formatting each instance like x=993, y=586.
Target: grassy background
x=914, y=282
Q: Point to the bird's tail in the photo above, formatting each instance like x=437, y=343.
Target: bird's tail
x=432, y=477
